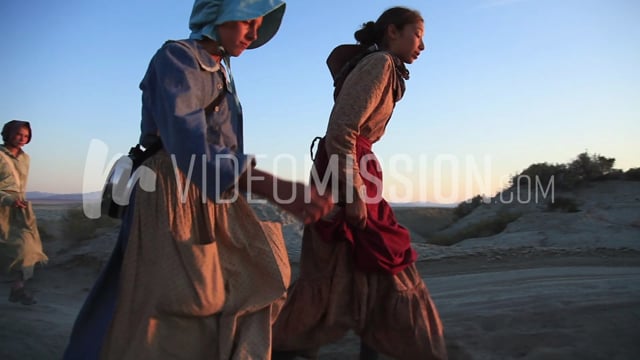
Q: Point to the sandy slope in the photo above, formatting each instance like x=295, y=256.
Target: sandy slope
x=583, y=306
x=578, y=312
x=552, y=286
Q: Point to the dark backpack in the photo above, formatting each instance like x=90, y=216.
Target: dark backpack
x=344, y=58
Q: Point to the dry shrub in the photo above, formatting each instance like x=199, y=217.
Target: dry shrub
x=466, y=207
x=43, y=229
x=632, y=174
x=563, y=204
x=487, y=227
x=77, y=226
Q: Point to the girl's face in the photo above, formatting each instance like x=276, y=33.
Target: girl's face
x=407, y=43
x=236, y=36
x=20, y=138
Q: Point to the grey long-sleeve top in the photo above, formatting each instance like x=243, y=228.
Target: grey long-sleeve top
x=363, y=107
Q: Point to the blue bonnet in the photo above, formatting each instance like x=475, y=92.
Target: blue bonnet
x=208, y=14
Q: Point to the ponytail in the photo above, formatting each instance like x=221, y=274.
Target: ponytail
x=373, y=33
x=369, y=34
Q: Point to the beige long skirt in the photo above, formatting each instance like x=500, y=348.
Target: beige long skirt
x=199, y=280
x=20, y=243
x=392, y=314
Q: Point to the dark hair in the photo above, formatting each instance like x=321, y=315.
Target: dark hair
x=374, y=32
x=11, y=128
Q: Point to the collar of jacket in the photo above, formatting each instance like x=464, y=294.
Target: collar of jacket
x=204, y=58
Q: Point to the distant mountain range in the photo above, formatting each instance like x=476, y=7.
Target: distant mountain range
x=37, y=195
x=422, y=204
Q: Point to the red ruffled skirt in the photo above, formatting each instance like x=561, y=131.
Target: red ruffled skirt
x=362, y=281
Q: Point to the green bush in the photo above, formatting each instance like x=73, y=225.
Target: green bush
x=543, y=173
x=583, y=169
x=591, y=167
x=614, y=174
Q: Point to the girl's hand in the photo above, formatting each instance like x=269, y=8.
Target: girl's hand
x=318, y=205
x=21, y=204
x=310, y=207
x=290, y=196
x=356, y=213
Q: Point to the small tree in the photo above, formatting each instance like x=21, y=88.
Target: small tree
x=591, y=167
x=542, y=172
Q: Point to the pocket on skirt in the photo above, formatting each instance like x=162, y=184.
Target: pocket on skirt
x=196, y=285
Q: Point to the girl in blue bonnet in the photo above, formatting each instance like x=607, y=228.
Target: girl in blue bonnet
x=195, y=274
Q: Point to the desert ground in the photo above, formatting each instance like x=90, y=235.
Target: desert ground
x=550, y=285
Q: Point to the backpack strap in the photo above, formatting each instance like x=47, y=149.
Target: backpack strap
x=217, y=100
x=223, y=91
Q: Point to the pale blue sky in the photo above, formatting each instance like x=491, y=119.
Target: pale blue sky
x=502, y=84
